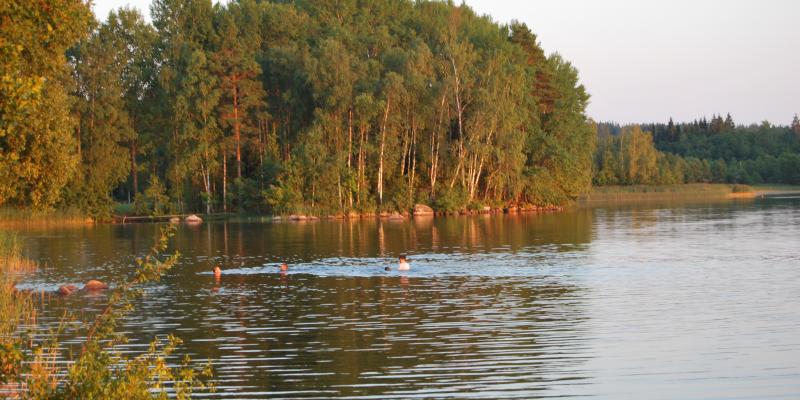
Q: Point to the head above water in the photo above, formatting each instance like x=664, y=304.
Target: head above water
x=284, y=267
x=217, y=271
x=387, y=269
x=402, y=258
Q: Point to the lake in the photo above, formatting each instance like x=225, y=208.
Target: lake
x=659, y=300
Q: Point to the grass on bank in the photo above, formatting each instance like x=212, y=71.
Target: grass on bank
x=651, y=192
x=18, y=219
x=775, y=188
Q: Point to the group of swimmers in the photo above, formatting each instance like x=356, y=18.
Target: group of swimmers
x=284, y=268
x=95, y=285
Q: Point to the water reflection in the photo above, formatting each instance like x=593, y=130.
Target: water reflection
x=388, y=335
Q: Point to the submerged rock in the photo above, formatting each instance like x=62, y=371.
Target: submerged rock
x=95, y=285
x=193, y=219
x=66, y=290
x=396, y=216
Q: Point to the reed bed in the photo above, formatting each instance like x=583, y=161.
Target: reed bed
x=664, y=192
x=21, y=219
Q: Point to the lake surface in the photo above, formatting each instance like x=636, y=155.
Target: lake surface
x=681, y=300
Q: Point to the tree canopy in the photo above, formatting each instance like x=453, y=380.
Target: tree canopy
x=276, y=106
x=699, y=151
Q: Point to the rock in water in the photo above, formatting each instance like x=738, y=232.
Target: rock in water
x=66, y=290
x=422, y=209
x=95, y=285
x=396, y=216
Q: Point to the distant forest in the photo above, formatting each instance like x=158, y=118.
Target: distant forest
x=716, y=151
x=323, y=107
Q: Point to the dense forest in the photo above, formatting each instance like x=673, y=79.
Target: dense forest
x=716, y=151
x=323, y=107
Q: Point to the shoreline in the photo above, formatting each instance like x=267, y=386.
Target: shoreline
x=598, y=195
x=350, y=216
x=647, y=193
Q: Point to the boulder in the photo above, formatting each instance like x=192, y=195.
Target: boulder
x=396, y=216
x=95, y=285
x=174, y=220
x=422, y=209
x=193, y=219
x=66, y=290
x=297, y=217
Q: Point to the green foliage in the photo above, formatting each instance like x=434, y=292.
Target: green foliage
x=716, y=151
x=285, y=197
x=628, y=159
x=38, y=151
x=368, y=106
x=154, y=200
x=451, y=200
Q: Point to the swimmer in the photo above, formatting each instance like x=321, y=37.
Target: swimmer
x=284, y=267
x=403, y=264
x=217, y=272
x=387, y=269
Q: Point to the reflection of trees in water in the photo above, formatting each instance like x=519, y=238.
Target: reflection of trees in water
x=420, y=333
x=309, y=241
x=108, y=250
x=513, y=232
x=644, y=218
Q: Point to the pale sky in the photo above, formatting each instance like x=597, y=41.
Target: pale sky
x=648, y=60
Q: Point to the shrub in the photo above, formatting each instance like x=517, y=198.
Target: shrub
x=154, y=200
x=451, y=200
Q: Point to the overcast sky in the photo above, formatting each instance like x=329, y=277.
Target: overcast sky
x=648, y=60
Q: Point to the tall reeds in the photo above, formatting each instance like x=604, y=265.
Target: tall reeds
x=22, y=219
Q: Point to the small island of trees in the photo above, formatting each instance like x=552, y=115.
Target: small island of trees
x=322, y=107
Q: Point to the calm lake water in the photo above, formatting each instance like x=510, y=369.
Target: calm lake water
x=682, y=300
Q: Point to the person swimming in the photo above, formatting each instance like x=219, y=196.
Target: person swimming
x=387, y=269
x=404, y=266
x=217, y=272
x=284, y=267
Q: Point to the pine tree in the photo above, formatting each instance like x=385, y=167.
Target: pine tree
x=105, y=127
x=188, y=80
x=728, y=125
x=242, y=97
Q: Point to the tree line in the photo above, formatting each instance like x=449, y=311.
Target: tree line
x=323, y=107
x=717, y=151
